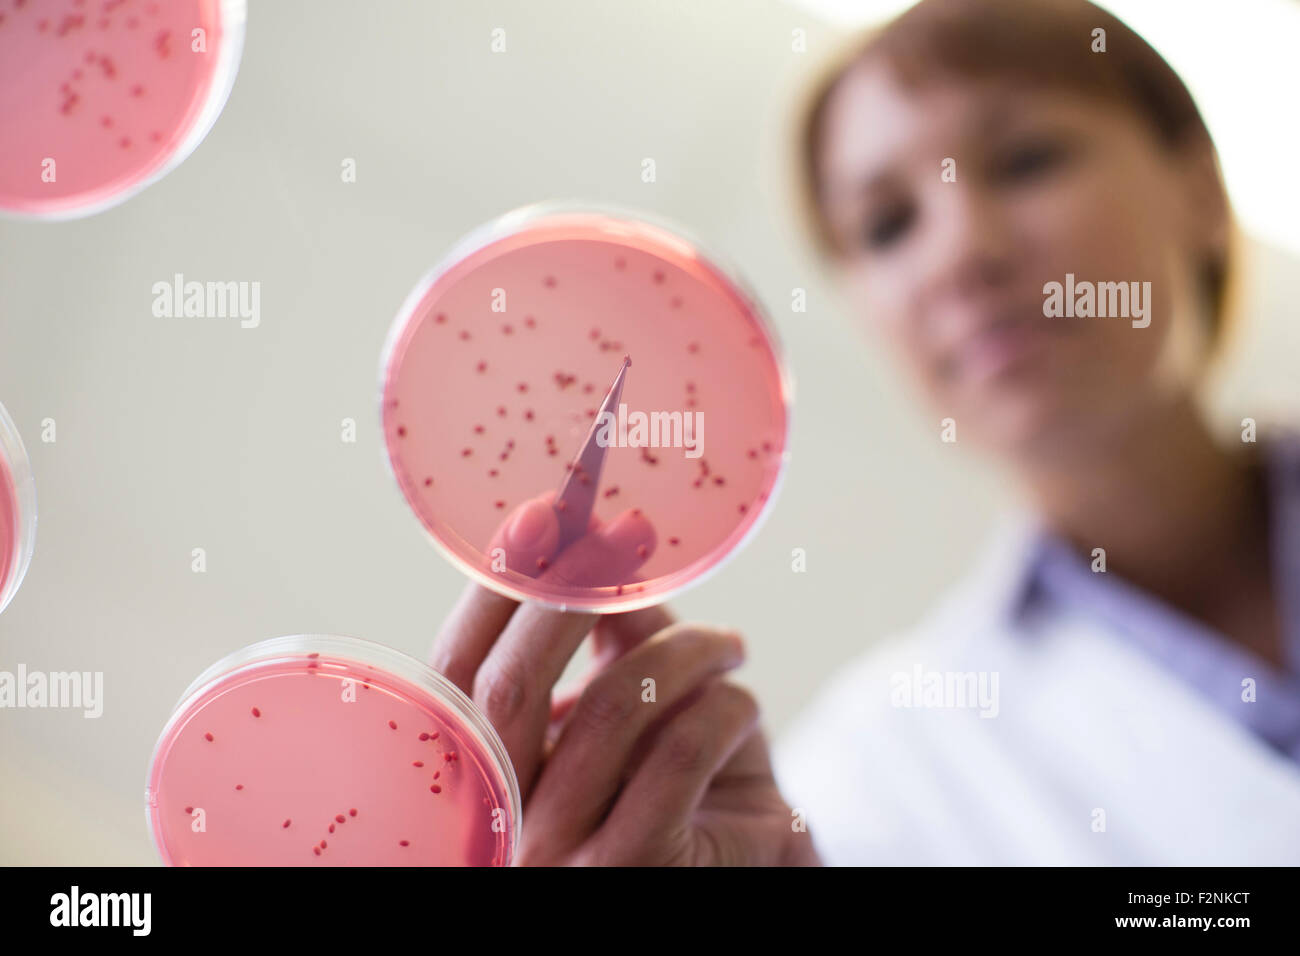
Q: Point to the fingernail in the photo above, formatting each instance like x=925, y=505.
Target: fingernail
x=528, y=527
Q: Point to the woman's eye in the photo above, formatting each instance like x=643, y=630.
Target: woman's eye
x=1028, y=161
x=885, y=229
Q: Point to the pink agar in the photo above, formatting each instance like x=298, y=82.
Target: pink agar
x=101, y=96
x=596, y=288
x=323, y=754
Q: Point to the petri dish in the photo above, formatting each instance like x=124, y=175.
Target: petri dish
x=103, y=97
x=17, y=510
x=500, y=358
x=319, y=750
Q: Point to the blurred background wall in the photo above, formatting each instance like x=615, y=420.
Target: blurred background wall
x=173, y=435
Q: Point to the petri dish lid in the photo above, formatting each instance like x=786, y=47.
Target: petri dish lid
x=320, y=750
x=494, y=376
x=102, y=99
x=17, y=510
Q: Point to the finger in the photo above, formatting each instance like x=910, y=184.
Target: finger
x=753, y=761
x=612, y=637
x=466, y=636
x=616, y=634
x=588, y=764
x=480, y=615
x=655, y=809
x=608, y=556
x=513, y=684
x=515, y=679
x=561, y=705
x=528, y=538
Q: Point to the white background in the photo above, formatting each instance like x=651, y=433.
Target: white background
x=182, y=433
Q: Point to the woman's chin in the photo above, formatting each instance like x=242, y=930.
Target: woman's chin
x=1024, y=427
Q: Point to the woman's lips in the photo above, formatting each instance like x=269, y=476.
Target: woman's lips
x=1001, y=347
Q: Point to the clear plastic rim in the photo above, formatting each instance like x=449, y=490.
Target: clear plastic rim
x=559, y=210
x=361, y=651
x=24, y=482
x=234, y=17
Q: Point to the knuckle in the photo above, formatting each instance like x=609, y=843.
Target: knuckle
x=445, y=663
x=500, y=691
x=691, y=742
x=694, y=642
x=605, y=704
x=685, y=746
x=742, y=703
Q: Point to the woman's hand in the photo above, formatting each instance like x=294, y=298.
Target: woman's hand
x=654, y=758
x=678, y=778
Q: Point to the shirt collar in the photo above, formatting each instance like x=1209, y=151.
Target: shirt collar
x=1026, y=553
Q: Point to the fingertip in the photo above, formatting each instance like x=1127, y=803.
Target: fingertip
x=529, y=536
x=737, y=640
x=531, y=526
x=632, y=533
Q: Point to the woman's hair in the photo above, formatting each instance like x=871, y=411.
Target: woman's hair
x=1045, y=43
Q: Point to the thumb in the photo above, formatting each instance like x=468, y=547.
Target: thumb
x=609, y=555
x=529, y=537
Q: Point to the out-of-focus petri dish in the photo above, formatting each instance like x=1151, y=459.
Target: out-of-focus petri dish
x=501, y=357
x=17, y=510
x=100, y=98
x=329, y=751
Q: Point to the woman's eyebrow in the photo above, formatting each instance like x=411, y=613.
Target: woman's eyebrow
x=995, y=115
x=857, y=187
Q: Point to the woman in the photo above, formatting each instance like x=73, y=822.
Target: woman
x=1116, y=681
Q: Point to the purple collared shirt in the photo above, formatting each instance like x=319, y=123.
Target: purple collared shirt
x=1055, y=577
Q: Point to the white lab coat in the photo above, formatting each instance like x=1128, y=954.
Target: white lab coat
x=1088, y=732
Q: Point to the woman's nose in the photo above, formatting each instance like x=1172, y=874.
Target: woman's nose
x=973, y=242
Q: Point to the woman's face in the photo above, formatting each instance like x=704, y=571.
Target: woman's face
x=953, y=272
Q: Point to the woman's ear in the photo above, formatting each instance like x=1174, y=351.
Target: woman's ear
x=1204, y=198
